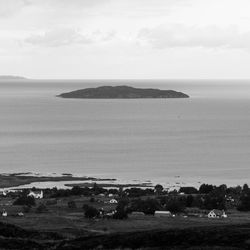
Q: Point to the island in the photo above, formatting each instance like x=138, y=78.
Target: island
x=9, y=77
x=122, y=92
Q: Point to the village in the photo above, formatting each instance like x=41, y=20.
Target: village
x=85, y=209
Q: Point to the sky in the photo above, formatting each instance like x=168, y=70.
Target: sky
x=125, y=39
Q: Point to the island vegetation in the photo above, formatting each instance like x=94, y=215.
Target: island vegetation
x=122, y=92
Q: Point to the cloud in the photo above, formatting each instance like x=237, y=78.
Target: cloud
x=73, y=3
x=10, y=7
x=68, y=36
x=58, y=37
x=179, y=35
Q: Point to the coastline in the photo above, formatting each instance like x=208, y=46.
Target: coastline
x=13, y=181
x=28, y=180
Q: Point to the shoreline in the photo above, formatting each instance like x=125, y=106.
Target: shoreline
x=28, y=180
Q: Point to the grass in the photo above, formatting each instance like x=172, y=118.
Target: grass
x=72, y=222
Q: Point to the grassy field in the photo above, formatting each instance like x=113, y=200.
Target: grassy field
x=71, y=222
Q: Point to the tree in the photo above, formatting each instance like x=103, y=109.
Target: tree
x=206, y=188
x=76, y=190
x=25, y=200
x=245, y=189
x=175, y=205
x=121, y=210
x=158, y=189
x=97, y=189
x=189, y=201
x=244, y=204
x=188, y=190
x=91, y=212
x=215, y=200
x=148, y=206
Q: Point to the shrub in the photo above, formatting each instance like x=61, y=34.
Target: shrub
x=175, y=205
x=121, y=210
x=85, y=207
x=25, y=200
x=26, y=209
x=91, y=212
x=41, y=208
x=92, y=199
x=72, y=204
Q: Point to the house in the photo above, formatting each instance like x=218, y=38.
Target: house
x=163, y=214
x=4, y=213
x=113, y=201
x=36, y=194
x=20, y=214
x=215, y=213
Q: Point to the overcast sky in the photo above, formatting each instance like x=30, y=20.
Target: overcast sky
x=125, y=38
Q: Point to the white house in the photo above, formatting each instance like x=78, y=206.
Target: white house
x=36, y=194
x=113, y=201
x=215, y=213
x=4, y=213
x=20, y=214
x=163, y=214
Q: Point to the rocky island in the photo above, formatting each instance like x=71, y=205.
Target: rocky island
x=122, y=92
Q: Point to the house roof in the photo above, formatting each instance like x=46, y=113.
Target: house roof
x=217, y=211
x=35, y=192
x=163, y=212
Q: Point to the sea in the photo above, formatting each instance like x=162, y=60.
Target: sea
x=202, y=139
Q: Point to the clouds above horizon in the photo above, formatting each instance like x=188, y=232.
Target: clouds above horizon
x=179, y=35
x=58, y=37
x=124, y=38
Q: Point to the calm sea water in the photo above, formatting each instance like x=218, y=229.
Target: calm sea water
x=202, y=139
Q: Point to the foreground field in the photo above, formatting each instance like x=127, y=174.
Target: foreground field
x=71, y=222
x=65, y=228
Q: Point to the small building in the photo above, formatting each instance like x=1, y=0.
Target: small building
x=20, y=214
x=36, y=194
x=113, y=201
x=4, y=213
x=4, y=193
x=163, y=214
x=137, y=214
x=215, y=213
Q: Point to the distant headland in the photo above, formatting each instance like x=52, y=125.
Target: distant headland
x=9, y=77
x=122, y=92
